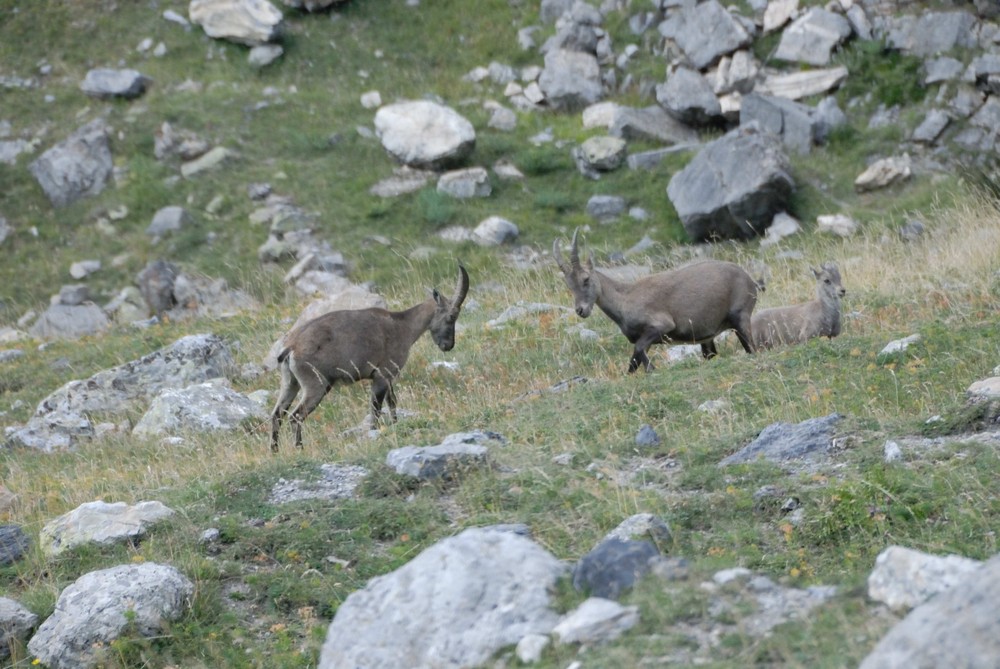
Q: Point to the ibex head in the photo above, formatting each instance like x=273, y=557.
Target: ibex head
x=446, y=314
x=578, y=276
x=829, y=282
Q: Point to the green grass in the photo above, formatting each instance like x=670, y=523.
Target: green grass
x=266, y=592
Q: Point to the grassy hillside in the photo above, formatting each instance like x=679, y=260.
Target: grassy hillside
x=264, y=600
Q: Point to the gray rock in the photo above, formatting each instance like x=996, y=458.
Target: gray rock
x=424, y=134
x=647, y=437
x=54, y=431
x=108, y=83
x=737, y=73
x=956, y=628
x=462, y=450
x=465, y=183
x=883, y=173
x=600, y=154
x=931, y=33
x=62, y=321
x=688, y=97
x=530, y=648
x=904, y=578
x=613, y=567
x=899, y=345
x=452, y=606
x=987, y=116
x=14, y=543
x=606, y=208
x=191, y=359
x=551, y=10
x=596, y=621
x=494, y=231
x=931, y=127
x=813, y=36
x=793, y=122
x=704, y=32
x=570, y=80
x=206, y=407
x=263, y=55
x=78, y=167
x=781, y=442
x=84, y=268
x=100, y=523
x=16, y=625
x=945, y=68
x=11, y=354
x=73, y=295
x=798, y=85
x=650, y=123
x=100, y=606
x=335, y=482
x=12, y=148
x=168, y=220
x=207, y=161
x=734, y=187
x=647, y=160
x=249, y=22
x=840, y=225
x=643, y=526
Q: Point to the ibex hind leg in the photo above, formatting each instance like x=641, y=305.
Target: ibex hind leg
x=289, y=389
x=708, y=350
x=310, y=400
x=744, y=333
x=382, y=392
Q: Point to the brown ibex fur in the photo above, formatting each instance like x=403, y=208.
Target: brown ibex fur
x=799, y=322
x=342, y=347
x=690, y=304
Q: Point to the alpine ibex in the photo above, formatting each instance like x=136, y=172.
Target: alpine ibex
x=342, y=347
x=692, y=304
x=796, y=323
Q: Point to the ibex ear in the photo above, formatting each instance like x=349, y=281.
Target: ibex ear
x=815, y=272
x=437, y=296
x=590, y=262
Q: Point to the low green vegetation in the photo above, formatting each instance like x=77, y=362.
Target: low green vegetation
x=266, y=591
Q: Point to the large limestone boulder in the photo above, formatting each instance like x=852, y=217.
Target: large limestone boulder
x=956, y=628
x=100, y=523
x=705, y=32
x=78, y=167
x=421, y=133
x=734, y=187
x=570, y=80
x=813, y=36
x=250, y=22
x=205, y=407
x=452, y=606
x=100, y=606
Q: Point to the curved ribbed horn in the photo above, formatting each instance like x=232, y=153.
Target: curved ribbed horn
x=574, y=251
x=557, y=254
x=461, y=290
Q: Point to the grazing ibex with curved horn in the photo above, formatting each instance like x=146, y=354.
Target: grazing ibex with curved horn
x=797, y=323
x=691, y=304
x=342, y=347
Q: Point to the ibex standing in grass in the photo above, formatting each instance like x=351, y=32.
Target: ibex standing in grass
x=796, y=323
x=691, y=304
x=342, y=347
